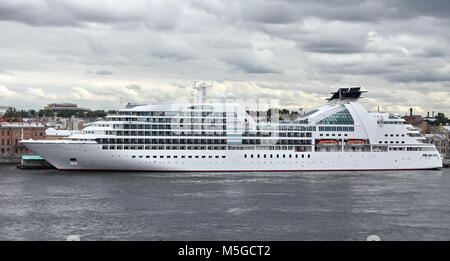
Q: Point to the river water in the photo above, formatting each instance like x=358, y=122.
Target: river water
x=52, y=204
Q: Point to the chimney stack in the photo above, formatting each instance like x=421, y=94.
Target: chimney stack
x=432, y=114
x=410, y=111
x=428, y=114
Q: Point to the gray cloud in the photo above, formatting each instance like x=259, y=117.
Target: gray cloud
x=103, y=72
x=248, y=66
x=134, y=87
x=36, y=13
x=427, y=75
x=281, y=45
x=253, y=61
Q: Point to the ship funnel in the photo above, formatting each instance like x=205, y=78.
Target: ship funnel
x=346, y=94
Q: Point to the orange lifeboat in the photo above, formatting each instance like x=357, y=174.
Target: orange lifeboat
x=356, y=142
x=327, y=142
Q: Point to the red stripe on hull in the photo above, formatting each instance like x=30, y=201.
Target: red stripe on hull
x=116, y=170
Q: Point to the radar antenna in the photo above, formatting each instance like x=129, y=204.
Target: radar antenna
x=200, y=96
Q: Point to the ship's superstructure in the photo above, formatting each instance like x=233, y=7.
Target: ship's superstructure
x=204, y=136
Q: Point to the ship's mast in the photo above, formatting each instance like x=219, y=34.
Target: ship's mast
x=200, y=96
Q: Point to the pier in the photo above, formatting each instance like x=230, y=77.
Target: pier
x=34, y=162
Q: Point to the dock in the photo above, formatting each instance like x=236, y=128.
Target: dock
x=34, y=162
x=446, y=162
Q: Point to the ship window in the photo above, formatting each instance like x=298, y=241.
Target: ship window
x=303, y=156
x=309, y=156
x=341, y=117
x=223, y=157
x=147, y=156
x=154, y=156
x=134, y=156
x=245, y=155
x=217, y=157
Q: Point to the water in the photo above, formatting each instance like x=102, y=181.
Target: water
x=51, y=204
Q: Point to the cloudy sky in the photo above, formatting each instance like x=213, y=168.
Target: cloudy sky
x=102, y=54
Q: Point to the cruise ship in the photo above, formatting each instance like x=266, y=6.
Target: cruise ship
x=225, y=136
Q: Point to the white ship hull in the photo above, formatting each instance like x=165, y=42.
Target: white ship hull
x=341, y=135
x=90, y=156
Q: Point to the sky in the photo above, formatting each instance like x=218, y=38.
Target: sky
x=103, y=54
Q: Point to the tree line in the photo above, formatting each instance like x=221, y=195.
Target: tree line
x=440, y=119
x=13, y=113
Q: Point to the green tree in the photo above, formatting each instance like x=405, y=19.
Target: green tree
x=11, y=113
x=45, y=113
x=66, y=114
x=440, y=118
x=32, y=113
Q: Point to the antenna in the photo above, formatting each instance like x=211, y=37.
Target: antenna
x=200, y=96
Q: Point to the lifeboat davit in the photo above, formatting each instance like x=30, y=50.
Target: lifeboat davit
x=357, y=142
x=327, y=142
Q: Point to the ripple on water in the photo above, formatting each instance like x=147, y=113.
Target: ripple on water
x=50, y=205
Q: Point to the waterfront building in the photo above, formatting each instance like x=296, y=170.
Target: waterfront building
x=65, y=107
x=440, y=140
x=12, y=133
